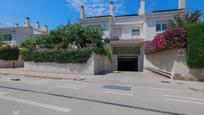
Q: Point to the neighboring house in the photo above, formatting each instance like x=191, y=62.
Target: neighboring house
x=16, y=35
x=129, y=33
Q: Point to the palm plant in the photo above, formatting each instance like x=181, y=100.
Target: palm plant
x=182, y=19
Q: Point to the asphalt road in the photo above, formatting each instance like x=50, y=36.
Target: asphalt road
x=62, y=97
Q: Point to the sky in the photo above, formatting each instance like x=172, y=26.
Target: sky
x=56, y=12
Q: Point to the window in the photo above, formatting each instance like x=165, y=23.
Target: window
x=161, y=27
x=7, y=37
x=117, y=32
x=135, y=32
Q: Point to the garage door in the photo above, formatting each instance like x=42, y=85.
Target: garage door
x=127, y=64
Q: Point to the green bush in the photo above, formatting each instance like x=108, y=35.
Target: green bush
x=62, y=55
x=195, y=45
x=70, y=43
x=9, y=52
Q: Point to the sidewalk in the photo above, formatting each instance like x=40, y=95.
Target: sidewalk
x=20, y=72
x=146, y=78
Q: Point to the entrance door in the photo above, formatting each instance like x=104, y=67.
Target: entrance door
x=127, y=64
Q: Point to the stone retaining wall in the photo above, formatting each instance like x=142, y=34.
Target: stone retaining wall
x=173, y=61
x=96, y=64
x=12, y=64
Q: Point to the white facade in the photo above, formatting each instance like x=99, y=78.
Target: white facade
x=17, y=35
x=130, y=32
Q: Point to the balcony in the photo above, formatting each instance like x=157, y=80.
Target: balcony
x=126, y=38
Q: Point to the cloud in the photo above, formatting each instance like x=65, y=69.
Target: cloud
x=5, y=23
x=96, y=7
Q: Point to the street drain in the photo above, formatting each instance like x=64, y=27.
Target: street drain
x=165, y=81
x=117, y=87
x=15, y=79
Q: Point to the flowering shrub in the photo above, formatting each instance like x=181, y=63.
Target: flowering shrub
x=171, y=38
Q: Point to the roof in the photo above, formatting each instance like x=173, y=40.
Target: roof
x=127, y=15
x=14, y=29
x=98, y=16
x=157, y=11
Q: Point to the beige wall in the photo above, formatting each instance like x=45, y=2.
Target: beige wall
x=173, y=62
x=102, y=64
x=12, y=64
x=94, y=65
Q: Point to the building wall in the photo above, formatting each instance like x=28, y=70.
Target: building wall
x=126, y=31
x=151, y=20
x=104, y=23
x=20, y=34
x=146, y=23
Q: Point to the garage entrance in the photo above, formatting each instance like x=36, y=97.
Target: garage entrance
x=127, y=63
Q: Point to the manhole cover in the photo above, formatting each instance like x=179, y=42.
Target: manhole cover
x=165, y=81
x=117, y=87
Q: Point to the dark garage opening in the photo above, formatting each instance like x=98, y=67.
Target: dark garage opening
x=127, y=64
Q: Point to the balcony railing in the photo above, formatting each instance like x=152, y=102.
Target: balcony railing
x=118, y=38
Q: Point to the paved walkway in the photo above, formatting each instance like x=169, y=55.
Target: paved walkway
x=20, y=72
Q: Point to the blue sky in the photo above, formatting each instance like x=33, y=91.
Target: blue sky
x=56, y=12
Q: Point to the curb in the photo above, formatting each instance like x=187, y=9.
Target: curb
x=44, y=77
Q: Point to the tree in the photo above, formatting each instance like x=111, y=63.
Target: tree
x=69, y=36
x=180, y=20
x=1, y=40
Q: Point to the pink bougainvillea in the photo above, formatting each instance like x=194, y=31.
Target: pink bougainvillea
x=171, y=38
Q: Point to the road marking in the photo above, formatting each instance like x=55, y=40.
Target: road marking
x=185, y=101
x=189, y=98
x=162, y=89
x=30, y=82
x=46, y=106
x=68, y=87
x=117, y=92
x=71, y=85
x=3, y=93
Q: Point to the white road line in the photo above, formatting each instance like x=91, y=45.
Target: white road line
x=3, y=93
x=189, y=98
x=72, y=85
x=68, y=87
x=42, y=105
x=29, y=82
x=117, y=92
x=185, y=101
x=177, y=90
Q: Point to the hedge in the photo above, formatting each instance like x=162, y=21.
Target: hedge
x=195, y=45
x=9, y=53
x=62, y=55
